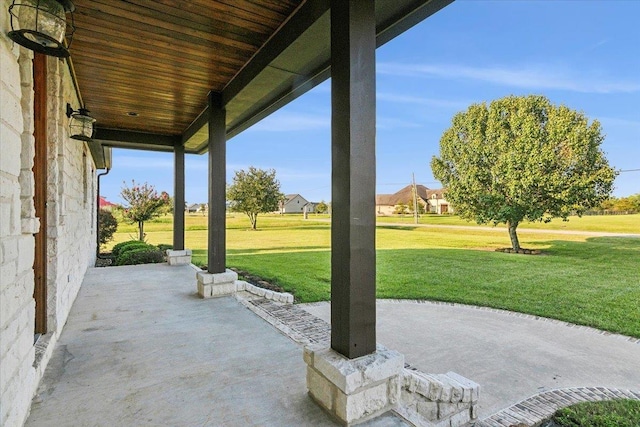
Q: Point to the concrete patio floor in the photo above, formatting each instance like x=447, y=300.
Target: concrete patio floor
x=140, y=348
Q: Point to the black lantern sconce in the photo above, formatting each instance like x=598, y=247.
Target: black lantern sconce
x=81, y=123
x=41, y=25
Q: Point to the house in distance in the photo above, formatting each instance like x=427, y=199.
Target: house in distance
x=295, y=203
x=431, y=200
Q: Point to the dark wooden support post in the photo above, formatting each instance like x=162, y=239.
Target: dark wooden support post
x=353, y=132
x=40, y=190
x=178, y=198
x=217, y=184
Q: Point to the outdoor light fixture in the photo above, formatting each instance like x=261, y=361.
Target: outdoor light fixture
x=81, y=123
x=41, y=25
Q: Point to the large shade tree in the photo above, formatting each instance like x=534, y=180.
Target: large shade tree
x=522, y=158
x=254, y=191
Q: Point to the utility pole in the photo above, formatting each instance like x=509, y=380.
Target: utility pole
x=415, y=199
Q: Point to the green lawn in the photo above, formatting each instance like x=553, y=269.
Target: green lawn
x=586, y=280
x=614, y=413
x=606, y=223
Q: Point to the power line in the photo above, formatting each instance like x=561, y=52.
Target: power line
x=630, y=170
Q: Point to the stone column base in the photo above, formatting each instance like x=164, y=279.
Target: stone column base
x=211, y=285
x=179, y=257
x=354, y=390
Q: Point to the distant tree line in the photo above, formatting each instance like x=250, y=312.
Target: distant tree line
x=629, y=204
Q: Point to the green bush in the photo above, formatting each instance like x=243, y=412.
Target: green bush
x=117, y=249
x=164, y=246
x=143, y=255
x=134, y=246
x=107, y=225
x=614, y=413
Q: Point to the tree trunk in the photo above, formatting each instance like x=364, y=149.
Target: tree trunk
x=254, y=221
x=141, y=231
x=515, y=244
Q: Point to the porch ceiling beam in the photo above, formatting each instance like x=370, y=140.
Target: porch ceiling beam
x=201, y=121
x=307, y=14
x=411, y=15
x=391, y=21
x=291, y=30
x=136, y=140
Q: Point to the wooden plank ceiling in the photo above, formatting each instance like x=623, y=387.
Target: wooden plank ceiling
x=144, y=67
x=159, y=59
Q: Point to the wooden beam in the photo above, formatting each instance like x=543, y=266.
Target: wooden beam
x=178, y=198
x=353, y=177
x=136, y=140
x=40, y=190
x=216, y=262
x=307, y=14
x=414, y=13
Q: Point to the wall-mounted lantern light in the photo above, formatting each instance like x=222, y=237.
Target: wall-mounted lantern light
x=41, y=25
x=81, y=123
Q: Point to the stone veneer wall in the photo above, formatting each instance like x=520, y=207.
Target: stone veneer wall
x=70, y=212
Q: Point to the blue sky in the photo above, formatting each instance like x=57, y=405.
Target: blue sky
x=583, y=54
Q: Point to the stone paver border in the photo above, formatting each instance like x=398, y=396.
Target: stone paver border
x=294, y=322
x=541, y=406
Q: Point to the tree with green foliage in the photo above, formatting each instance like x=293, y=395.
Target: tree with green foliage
x=420, y=207
x=522, y=158
x=254, y=191
x=322, y=207
x=400, y=209
x=144, y=204
x=622, y=204
x=107, y=226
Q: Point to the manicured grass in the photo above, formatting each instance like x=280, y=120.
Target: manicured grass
x=593, y=281
x=615, y=413
x=603, y=223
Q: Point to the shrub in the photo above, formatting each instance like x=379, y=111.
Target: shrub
x=142, y=255
x=117, y=249
x=107, y=225
x=164, y=246
x=133, y=247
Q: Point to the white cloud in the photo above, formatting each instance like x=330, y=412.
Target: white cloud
x=431, y=102
x=539, y=77
x=387, y=123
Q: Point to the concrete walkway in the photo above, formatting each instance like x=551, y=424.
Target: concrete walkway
x=512, y=356
x=141, y=349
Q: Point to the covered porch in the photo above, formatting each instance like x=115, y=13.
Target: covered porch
x=212, y=70
x=142, y=348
